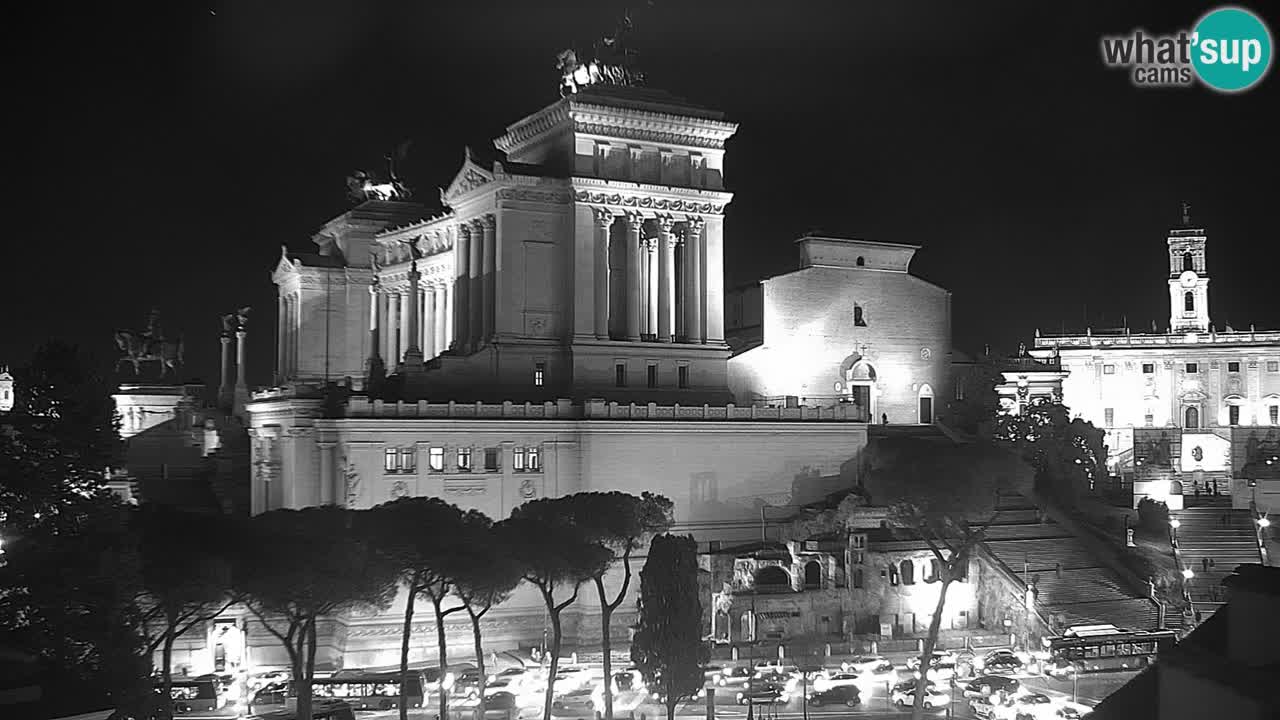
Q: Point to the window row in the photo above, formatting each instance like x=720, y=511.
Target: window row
x=904, y=573
x=651, y=375
x=1191, y=368
x=405, y=459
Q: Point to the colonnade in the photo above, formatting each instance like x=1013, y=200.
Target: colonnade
x=392, y=315
x=665, y=300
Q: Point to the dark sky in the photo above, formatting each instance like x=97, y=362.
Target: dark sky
x=166, y=155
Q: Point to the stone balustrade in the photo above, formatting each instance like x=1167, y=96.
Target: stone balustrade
x=1235, y=337
x=564, y=409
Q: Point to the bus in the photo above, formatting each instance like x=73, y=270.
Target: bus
x=194, y=694
x=322, y=710
x=366, y=691
x=1101, y=648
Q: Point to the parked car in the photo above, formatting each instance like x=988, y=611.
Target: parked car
x=843, y=679
x=904, y=695
x=1033, y=706
x=840, y=695
x=712, y=674
x=982, y=708
x=1069, y=712
x=990, y=684
x=761, y=694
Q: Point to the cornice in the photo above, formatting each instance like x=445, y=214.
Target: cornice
x=530, y=129
x=641, y=196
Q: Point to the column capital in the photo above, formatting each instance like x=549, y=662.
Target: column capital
x=488, y=221
x=694, y=223
x=666, y=223
x=604, y=217
x=464, y=229
x=635, y=221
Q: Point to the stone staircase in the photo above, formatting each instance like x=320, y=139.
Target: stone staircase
x=1073, y=584
x=1212, y=540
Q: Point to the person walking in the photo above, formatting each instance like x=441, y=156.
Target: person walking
x=884, y=418
x=1204, y=564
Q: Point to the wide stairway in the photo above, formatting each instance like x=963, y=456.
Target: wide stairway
x=1073, y=585
x=1212, y=540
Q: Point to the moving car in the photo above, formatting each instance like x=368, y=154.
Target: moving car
x=843, y=679
x=982, y=708
x=1002, y=663
x=868, y=664
x=762, y=694
x=734, y=676
x=1033, y=706
x=1069, y=712
x=939, y=657
x=990, y=684
x=841, y=695
x=904, y=695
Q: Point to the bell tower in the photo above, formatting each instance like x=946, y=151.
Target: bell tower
x=1188, y=277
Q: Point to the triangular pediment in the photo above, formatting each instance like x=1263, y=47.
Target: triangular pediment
x=284, y=266
x=470, y=176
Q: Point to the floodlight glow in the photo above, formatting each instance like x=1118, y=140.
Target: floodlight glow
x=1262, y=523
x=1175, y=523
x=1188, y=573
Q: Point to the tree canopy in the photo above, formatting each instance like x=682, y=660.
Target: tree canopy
x=668, y=647
x=1068, y=455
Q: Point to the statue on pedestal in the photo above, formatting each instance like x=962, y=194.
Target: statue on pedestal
x=149, y=345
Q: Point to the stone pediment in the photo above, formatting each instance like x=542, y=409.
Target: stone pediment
x=470, y=176
x=284, y=267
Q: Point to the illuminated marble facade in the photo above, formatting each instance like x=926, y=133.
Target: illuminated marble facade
x=1214, y=395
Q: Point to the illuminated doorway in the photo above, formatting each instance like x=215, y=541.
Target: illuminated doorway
x=926, y=404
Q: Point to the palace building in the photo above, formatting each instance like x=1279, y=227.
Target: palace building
x=1191, y=408
x=558, y=326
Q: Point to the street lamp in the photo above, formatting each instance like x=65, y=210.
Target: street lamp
x=1263, y=522
x=1188, y=573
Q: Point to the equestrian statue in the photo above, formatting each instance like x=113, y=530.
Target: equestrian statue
x=150, y=346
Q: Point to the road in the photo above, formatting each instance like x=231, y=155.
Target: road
x=875, y=702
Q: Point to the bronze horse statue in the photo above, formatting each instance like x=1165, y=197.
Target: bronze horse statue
x=139, y=348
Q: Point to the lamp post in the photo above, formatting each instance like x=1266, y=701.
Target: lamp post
x=1174, y=524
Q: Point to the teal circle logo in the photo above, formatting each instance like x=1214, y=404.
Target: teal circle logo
x=1231, y=49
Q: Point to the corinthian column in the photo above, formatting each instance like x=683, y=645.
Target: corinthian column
x=666, y=278
x=373, y=320
x=461, y=261
x=282, y=319
x=429, y=347
x=393, y=328
x=634, y=223
x=475, y=305
x=413, y=351
x=489, y=278
x=604, y=220
x=651, y=287
x=693, y=270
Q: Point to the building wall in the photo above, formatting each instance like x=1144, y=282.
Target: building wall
x=809, y=331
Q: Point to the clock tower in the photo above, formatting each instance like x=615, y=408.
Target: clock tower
x=1188, y=277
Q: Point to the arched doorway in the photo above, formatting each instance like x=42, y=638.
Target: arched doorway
x=925, y=401
x=1192, y=418
x=858, y=386
x=813, y=575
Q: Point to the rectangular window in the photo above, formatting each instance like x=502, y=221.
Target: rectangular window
x=858, y=541
x=408, y=460
x=682, y=376
x=517, y=459
x=539, y=373
x=620, y=374
x=1149, y=420
x=1273, y=366
x=464, y=459
x=1273, y=412
x=491, y=456
x=436, y=459
x=1110, y=415
x=1108, y=369
x=1233, y=366
x=1148, y=368
x=652, y=376
x=1233, y=414
x=533, y=457
x=390, y=460
x=1192, y=368
x=959, y=390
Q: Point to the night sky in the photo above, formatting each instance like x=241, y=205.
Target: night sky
x=162, y=157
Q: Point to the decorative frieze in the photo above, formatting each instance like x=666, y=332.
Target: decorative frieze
x=647, y=202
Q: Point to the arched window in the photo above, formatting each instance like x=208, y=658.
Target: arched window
x=813, y=575
x=861, y=261
x=908, y=572
x=1188, y=262
x=772, y=576
x=935, y=571
x=1189, y=302
x=858, y=319
x=1193, y=418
